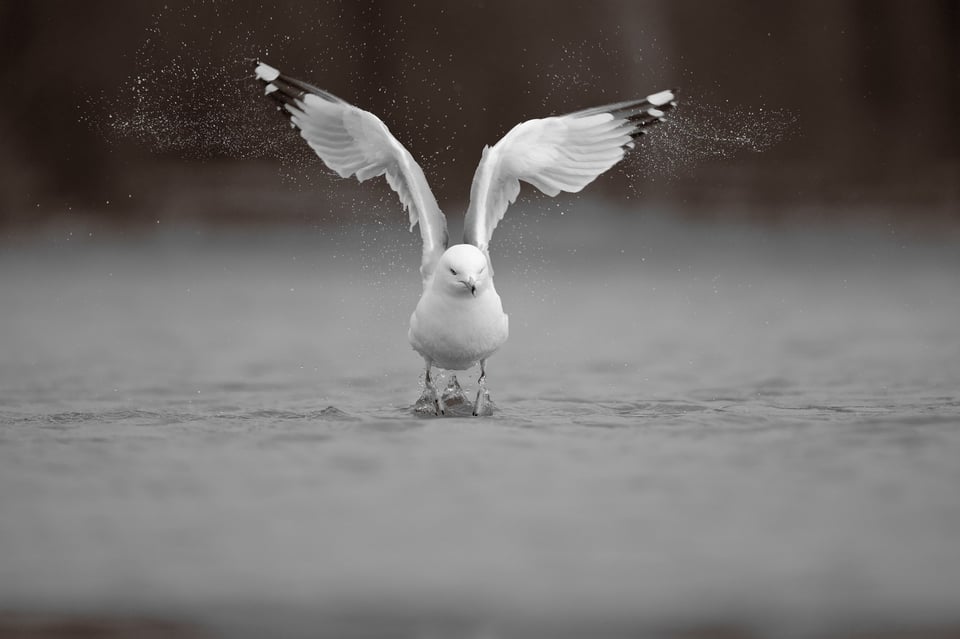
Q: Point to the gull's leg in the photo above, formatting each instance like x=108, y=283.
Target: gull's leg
x=437, y=401
x=483, y=386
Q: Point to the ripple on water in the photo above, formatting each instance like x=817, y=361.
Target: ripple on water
x=69, y=419
x=333, y=414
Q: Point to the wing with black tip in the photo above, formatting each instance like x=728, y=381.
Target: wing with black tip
x=351, y=141
x=562, y=153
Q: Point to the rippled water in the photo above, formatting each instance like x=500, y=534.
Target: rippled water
x=697, y=429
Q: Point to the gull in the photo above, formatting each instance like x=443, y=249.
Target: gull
x=459, y=320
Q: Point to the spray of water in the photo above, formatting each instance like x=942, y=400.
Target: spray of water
x=701, y=131
x=193, y=96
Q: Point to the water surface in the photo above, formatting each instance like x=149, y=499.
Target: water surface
x=697, y=428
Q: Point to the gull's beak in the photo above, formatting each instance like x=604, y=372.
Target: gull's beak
x=471, y=283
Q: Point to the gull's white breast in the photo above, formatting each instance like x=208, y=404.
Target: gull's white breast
x=457, y=331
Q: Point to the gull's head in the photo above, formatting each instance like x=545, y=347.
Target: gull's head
x=463, y=270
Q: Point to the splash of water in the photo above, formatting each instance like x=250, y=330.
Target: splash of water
x=700, y=132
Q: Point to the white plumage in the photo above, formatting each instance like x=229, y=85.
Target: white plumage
x=459, y=320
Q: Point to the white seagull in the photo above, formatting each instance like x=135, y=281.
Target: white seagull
x=459, y=320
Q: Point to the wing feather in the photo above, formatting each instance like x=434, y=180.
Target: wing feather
x=354, y=142
x=556, y=154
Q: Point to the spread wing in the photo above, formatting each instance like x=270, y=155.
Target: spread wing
x=563, y=153
x=351, y=141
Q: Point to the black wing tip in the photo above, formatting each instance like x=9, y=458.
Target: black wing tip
x=662, y=100
x=275, y=87
x=642, y=114
x=285, y=89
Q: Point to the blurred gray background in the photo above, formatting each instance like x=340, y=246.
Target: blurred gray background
x=149, y=105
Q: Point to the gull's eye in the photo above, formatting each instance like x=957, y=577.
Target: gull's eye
x=453, y=271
